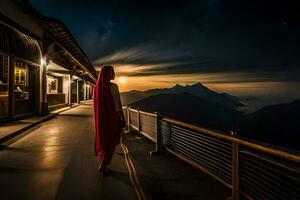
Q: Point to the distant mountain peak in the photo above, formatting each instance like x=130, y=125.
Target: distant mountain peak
x=200, y=85
x=196, y=89
x=195, y=85
x=178, y=86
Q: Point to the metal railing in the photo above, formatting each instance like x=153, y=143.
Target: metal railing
x=249, y=169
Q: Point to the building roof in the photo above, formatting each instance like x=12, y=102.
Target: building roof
x=16, y=43
x=58, y=31
x=71, y=51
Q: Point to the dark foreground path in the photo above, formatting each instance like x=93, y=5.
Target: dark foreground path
x=56, y=161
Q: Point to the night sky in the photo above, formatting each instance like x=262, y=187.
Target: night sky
x=246, y=48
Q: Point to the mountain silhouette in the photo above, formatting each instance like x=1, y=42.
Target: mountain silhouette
x=189, y=108
x=275, y=124
x=197, y=90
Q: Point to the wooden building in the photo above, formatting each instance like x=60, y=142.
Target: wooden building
x=42, y=66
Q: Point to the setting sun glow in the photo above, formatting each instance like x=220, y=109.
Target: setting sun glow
x=122, y=80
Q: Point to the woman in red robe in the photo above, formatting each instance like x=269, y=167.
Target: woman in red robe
x=109, y=118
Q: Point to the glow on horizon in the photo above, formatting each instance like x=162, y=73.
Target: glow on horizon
x=250, y=88
x=122, y=80
x=137, y=77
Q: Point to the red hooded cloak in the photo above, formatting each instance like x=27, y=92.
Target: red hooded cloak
x=107, y=119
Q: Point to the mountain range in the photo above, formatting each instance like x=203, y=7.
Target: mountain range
x=189, y=108
x=197, y=90
x=276, y=124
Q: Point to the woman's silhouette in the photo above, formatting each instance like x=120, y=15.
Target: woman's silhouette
x=109, y=118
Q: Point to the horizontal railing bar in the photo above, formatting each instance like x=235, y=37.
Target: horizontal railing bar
x=246, y=195
x=131, y=113
x=132, y=110
x=148, y=130
x=273, y=151
x=277, y=180
x=266, y=173
x=133, y=119
x=184, y=158
x=211, y=142
x=209, y=137
x=279, y=153
x=281, y=182
x=145, y=123
x=205, y=147
x=254, y=191
x=216, y=163
x=141, y=112
x=253, y=197
x=147, y=126
x=261, y=157
x=204, y=143
x=225, y=162
x=147, y=114
x=261, y=187
x=147, y=120
x=211, y=151
x=212, y=169
x=223, y=170
x=146, y=135
x=244, y=159
x=199, y=130
x=215, y=151
x=207, y=142
x=134, y=127
x=254, y=194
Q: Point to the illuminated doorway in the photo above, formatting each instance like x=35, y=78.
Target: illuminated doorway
x=25, y=88
x=4, y=86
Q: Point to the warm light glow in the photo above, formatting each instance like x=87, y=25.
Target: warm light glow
x=122, y=80
x=43, y=61
x=241, y=84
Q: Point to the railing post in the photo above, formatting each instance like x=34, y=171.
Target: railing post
x=235, y=171
x=128, y=118
x=158, y=144
x=138, y=121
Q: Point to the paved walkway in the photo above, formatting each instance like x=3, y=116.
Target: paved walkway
x=56, y=161
x=14, y=128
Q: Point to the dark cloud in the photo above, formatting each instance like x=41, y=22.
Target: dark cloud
x=102, y=30
x=184, y=37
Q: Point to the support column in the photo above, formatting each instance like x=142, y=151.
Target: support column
x=45, y=109
x=69, y=91
x=77, y=88
x=84, y=91
x=11, y=96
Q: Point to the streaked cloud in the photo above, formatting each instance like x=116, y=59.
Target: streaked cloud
x=236, y=46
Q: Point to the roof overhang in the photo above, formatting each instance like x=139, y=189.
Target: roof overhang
x=56, y=31
x=69, y=49
x=16, y=43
